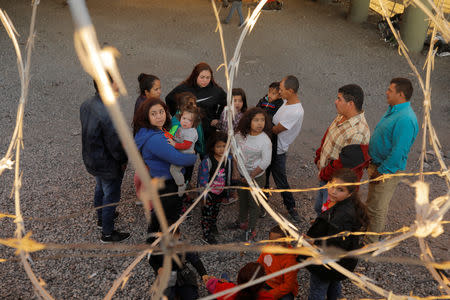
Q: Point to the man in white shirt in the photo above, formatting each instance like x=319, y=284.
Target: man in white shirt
x=288, y=122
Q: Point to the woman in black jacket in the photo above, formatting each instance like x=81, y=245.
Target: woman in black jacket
x=343, y=211
x=211, y=98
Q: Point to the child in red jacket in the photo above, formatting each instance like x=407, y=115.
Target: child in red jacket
x=285, y=286
x=252, y=270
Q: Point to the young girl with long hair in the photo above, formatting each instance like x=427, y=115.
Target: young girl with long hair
x=343, y=211
x=212, y=201
x=239, y=107
x=253, y=139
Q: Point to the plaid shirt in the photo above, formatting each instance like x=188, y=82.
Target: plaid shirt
x=352, y=131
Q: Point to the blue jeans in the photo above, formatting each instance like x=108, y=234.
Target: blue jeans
x=320, y=289
x=236, y=5
x=107, y=191
x=278, y=169
x=321, y=198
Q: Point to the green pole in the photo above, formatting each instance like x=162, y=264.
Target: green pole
x=413, y=28
x=359, y=10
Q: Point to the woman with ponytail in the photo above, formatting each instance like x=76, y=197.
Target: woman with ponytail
x=149, y=87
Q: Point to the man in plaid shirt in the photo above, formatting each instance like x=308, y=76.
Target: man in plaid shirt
x=345, y=143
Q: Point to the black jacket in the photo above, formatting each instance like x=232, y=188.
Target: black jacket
x=212, y=99
x=341, y=217
x=103, y=154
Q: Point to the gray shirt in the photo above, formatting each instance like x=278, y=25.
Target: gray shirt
x=186, y=134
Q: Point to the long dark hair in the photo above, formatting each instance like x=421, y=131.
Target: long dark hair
x=216, y=137
x=146, y=82
x=246, y=120
x=249, y=271
x=141, y=120
x=192, y=79
x=240, y=92
x=349, y=176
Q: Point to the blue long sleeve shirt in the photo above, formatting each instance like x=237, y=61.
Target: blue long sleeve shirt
x=393, y=137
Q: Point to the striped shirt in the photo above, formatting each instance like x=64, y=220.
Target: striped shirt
x=352, y=131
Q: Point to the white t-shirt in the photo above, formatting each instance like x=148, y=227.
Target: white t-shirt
x=291, y=117
x=186, y=134
x=257, y=151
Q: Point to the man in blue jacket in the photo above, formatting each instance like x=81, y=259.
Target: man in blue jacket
x=105, y=158
x=389, y=147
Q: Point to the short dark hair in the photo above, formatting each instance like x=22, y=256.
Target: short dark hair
x=218, y=136
x=354, y=93
x=95, y=83
x=403, y=85
x=275, y=85
x=141, y=120
x=291, y=83
x=240, y=92
x=146, y=82
x=193, y=110
x=245, y=122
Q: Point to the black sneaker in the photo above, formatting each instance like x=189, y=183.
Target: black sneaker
x=115, y=237
x=294, y=215
x=100, y=222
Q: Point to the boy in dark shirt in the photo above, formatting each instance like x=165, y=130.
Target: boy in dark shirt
x=271, y=103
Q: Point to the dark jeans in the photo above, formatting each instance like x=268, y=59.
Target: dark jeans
x=107, y=191
x=236, y=5
x=321, y=198
x=210, y=211
x=171, y=205
x=320, y=289
x=278, y=169
x=185, y=292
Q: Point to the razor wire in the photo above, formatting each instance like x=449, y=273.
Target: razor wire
x=96, y=62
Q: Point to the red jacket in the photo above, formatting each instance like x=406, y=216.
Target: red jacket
x=215, y=286
x=283, y=284
x=355, y=157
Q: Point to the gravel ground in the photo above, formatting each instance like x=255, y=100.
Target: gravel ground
x=168, y=38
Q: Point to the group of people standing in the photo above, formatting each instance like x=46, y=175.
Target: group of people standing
x=192, y=123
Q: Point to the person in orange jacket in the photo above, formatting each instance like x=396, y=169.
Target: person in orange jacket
x=285, y=286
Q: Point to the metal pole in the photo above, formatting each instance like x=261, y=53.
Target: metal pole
x=413, y=28
x=359, y=10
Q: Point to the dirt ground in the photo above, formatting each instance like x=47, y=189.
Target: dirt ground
x=167, y=38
